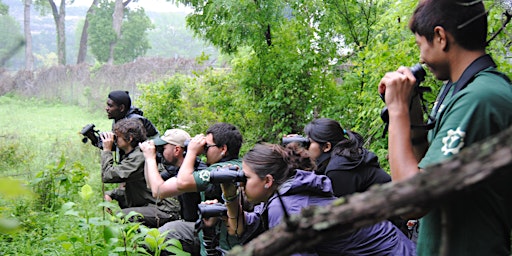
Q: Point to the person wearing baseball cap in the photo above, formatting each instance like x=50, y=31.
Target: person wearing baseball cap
x=161, y=178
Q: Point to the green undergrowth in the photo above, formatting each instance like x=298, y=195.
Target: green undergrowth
x=51, y=196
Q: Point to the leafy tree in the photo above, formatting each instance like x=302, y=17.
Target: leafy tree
x=4, y=9
x=133, y=40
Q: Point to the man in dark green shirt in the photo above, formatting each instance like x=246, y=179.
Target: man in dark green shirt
x=474, y=105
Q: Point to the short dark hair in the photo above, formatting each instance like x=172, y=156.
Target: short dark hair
x=229, y=135
x=131, y=127
x=121, y=98
x=466, y=20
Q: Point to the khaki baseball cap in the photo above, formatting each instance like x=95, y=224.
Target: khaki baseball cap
x=173, y=136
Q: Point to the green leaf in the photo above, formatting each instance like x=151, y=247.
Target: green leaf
x=86, y=192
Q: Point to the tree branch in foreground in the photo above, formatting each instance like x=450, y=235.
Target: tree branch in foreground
x=482, y=162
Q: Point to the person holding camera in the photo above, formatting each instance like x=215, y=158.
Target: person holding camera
x=221, y=145
x=173, y=152
x=282, y=182
x=119, y=106
x=473, y=105
x=127, y=135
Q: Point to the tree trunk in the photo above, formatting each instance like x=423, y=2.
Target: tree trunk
x=82, y=50
x=29, y=57
x=117, y=21
x=483, y=162
x=59, y=16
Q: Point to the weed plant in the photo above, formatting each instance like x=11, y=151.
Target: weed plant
x=41, y=148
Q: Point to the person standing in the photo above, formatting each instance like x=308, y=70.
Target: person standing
x=473, y=105
x=119, y=106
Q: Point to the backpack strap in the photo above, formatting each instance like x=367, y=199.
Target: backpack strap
x=481, y=63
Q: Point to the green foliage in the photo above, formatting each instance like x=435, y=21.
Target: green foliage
x=134, y=34
x=163, y=101
x=4, y=9
x=57, y=183
x=194, y=104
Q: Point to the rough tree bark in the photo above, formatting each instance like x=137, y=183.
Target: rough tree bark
x=483, y=162
x=59, y=15
x=82, y=50
x=29, y=57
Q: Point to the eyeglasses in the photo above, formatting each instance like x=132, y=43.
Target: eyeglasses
x=206, y=147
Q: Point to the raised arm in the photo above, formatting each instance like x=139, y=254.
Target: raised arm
x=403, y=159
x=236, y=216
x=185, y=179
x=159, y=187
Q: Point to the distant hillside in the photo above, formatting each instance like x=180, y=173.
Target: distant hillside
x=170, y=38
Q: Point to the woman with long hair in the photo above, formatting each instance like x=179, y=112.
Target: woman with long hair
x=279, y=180
x=340, y=155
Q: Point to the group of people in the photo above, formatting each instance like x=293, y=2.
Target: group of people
x=281, y=180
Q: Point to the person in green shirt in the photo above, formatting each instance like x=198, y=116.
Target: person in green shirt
x=473, y=105
x=221, y=145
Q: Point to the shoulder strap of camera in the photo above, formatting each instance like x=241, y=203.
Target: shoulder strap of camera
x=481, y=63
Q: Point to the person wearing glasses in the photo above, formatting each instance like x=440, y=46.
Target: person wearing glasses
x=128, y=133
x=221, y=146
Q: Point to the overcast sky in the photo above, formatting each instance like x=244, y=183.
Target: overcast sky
x=149, y=5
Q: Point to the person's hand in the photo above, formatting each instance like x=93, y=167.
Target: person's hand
x=196, y=145
x=210, y=222
x=397, y=87
x=108, y=140
x=228, y=189
x=148, y=149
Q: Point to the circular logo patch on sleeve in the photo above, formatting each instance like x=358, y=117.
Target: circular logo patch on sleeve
x=453, y=141
x=204, y=175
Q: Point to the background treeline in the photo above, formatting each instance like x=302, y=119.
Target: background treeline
x=281, y=65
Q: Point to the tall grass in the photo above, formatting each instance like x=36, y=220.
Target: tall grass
x=40, y=140
x=34, y=133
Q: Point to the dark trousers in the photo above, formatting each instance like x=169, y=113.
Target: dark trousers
x=184, y=231
x=152, y=217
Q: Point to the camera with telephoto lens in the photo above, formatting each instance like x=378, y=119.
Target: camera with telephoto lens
x=301, y=140
x=93, y=135
x=227, y=175
x=419, y=73
x=212, y=210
